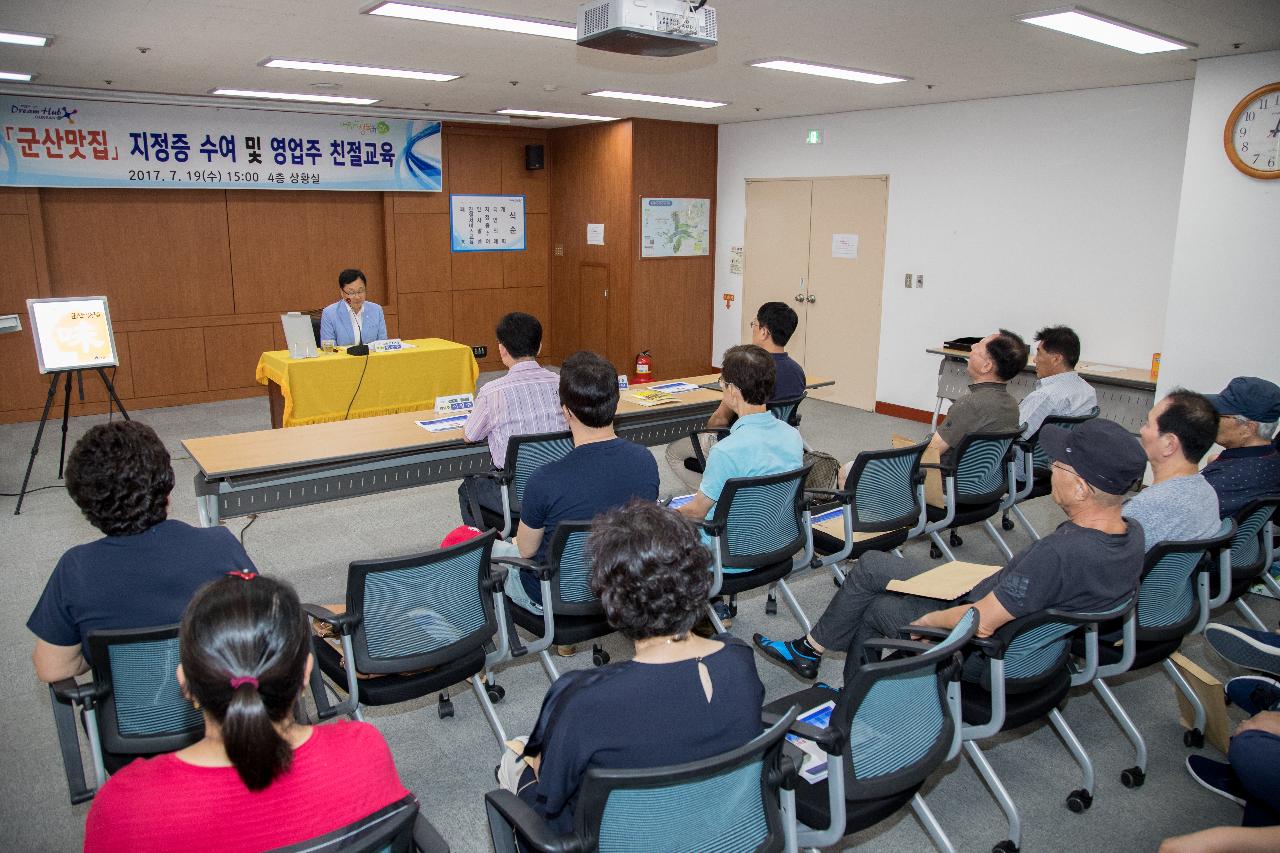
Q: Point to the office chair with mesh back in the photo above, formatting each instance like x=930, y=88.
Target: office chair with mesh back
x=397, y=828
x=1035, y=470
x=978, y=483
x=133, y=706
x=571, y=612
x=730, y=802
x=788, y=410
x=525, y=454
x=898, y=720
x=1252, y=553
x=415, y=625
x=760, y=531
x=1173, y=601
x=882, y=505
x=1027, y=677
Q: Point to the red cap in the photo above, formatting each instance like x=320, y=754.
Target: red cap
x=458, y=535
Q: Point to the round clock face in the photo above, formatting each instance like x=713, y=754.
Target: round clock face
x=1252, y=133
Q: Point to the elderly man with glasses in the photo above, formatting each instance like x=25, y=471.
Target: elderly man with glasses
x=353, y=319
x=1090, y=563
x=1249, y=467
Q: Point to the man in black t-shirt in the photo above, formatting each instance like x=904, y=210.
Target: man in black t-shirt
x=1090, y=563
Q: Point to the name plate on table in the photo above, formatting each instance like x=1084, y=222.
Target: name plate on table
x=674, y=387
x=389, y=345
x=462, y=403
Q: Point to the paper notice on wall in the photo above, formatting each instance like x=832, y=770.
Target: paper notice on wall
x=595, y=233
x=735, y=260
x=844, y=245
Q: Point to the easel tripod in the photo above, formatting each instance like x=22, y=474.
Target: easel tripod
x=59, y=375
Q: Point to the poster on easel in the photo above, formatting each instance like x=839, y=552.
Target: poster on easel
x=72, y=333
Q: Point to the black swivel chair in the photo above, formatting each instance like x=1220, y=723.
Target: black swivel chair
x=397, y=828
x=525, y=454
x=1035, y=470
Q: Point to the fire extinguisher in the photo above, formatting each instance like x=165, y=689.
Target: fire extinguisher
x=644, y=369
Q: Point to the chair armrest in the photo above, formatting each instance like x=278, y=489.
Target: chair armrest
x=831, y=740
x=914, y=646
x=528, y=824
x=923, y=631
x=425, y=837
x=69, y=691
x=713, y=529
x=344, y=622
x=500, y=475
x=543, y=573
x=840, y=496
x=64, y=722
x=945, y=469
x=497, y=578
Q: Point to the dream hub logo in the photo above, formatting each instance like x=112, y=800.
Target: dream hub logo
x=42, y=113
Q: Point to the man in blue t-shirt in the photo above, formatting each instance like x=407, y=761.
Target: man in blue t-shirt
x=144, y=571
x=758, y=444
x=601, y=472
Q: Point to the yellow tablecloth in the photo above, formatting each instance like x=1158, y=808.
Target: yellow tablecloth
x=317, y=390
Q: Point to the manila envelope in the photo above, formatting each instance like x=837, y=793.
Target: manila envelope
x=1217, y=729
x=946, y=582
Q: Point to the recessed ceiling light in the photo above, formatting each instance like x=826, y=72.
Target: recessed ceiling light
x=545, y=114
x=658, y=99
x=828, y=71
x=1075, y=21
x=482, y=20
x=16, y=75
x=293, y=96
x=370, y=70
x=29, y=39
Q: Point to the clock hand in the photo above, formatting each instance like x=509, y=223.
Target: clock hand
x=1276, y=131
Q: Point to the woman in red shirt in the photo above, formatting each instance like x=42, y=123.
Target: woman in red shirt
x=258, y=780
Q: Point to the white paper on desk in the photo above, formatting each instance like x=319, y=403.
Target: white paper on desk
x=443, y=424
x=674, y=387
x=595, y=233
x=844, y=245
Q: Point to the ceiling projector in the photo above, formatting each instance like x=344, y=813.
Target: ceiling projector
x=646, y=27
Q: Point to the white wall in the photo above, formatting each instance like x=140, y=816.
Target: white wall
x=1020, y=212
x=1224, y=296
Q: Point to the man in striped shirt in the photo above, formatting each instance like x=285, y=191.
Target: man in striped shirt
x=524, y=402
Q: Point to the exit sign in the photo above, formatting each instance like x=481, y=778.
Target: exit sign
x=813, y=137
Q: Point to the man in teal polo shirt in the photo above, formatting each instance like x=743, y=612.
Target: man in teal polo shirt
x=758, y=443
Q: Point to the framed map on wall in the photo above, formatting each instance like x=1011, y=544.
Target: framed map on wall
x=675, y=227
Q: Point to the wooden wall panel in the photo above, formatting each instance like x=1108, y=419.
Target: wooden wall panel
x=167, y=361
x=287, y=248
x=474, y=163
x=426, y=315
x=422, y=252
x=534, y=185
x=13, y=200
x=477, y=270
x=18, y=262
x=679, y=333
x=231, y=353
x=530, y=268
x=153, y=253
x=476, y=314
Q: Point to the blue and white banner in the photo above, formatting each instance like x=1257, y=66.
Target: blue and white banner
x=64, y=143
x=486, y=223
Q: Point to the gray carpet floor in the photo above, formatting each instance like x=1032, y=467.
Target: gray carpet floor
x=448, y=763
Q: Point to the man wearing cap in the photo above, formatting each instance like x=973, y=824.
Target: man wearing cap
x=1249, y=467
x=1091, y=562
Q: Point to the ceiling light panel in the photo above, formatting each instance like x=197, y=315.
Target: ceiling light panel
x=833, y=71
x=481, y=20
x=1075, y=21
x=545, y=114
x=17, y=76
x=293, y=96
x=368, y=70
x=28, y=39
x=658, y=99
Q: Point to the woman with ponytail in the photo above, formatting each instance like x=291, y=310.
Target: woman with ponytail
x=258, y=780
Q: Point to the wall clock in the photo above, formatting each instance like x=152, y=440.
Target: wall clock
x=1252, y=133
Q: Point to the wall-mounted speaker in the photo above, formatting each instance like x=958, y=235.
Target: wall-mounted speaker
x=533, y=157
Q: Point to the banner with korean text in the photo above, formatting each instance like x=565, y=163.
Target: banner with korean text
x=67, y=143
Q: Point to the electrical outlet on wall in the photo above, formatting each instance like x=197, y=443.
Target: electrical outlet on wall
x=907, y=283
x=920, y=280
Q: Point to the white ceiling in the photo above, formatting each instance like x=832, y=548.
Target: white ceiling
x=952, y=49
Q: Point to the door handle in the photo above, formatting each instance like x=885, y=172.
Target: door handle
x=811, y=299
x=799, y=297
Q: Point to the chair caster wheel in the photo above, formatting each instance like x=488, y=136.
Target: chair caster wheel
x=1193, y=739
x=1007, y=523
x=1079, y=800
x=495, y=691
x=934, y=551
x=1133, y=777
x=955, y=540
x=1005, y=846
x=771, y=606
x=599, y=656
x=837, y=579
x=446, y=706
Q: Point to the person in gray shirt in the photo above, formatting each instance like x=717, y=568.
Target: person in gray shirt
x=1179, y=504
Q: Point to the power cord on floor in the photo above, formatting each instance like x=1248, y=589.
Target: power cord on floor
x=32, y=491
x=252, y=518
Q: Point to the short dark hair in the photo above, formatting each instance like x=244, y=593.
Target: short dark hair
x=1009, y=352
x=779, y=319
x=251, y=632
x=119, y=475
x=520, y=333
x=349, y=275
x=1061, y=340
x=649, y=569
x=589, y=388
x=1193, y=419
x=751, y=370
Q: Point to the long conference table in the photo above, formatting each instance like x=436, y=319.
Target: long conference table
x=253, y=472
